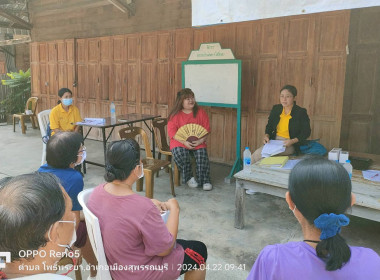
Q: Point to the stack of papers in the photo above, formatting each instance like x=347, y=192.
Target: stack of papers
x=372, y=175
x=289, y=164
x=273, y=147
x=274, y=161
x=93, y=121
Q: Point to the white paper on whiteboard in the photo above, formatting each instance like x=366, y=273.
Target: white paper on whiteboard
x=213, y=83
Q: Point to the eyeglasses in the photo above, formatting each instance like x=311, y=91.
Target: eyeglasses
x=83, y=149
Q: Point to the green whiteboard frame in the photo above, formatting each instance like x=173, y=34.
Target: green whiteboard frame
x=238, y=161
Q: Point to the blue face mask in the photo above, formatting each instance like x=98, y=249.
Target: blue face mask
x=67, y=101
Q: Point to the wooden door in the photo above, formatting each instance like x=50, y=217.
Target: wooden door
x=361, y=114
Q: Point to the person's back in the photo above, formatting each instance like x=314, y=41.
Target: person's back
x=319, y=195
x=298, y=260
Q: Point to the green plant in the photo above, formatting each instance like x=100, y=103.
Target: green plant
x=20, y=84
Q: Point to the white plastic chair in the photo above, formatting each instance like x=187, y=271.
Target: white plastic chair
x=93, y=230
x=43, y=120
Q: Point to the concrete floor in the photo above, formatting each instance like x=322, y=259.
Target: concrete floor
x=205, y=216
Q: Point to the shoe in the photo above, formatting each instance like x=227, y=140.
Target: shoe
x=192, y=183
x=250, y=192
x=207, y=187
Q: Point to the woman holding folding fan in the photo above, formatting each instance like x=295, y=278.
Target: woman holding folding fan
x=188, y=127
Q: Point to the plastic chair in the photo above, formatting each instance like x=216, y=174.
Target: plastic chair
x=31, y=105
x=43, y=120
x=95, y=235
x=151, y=165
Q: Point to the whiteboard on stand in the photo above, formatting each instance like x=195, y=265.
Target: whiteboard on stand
x=214, y=83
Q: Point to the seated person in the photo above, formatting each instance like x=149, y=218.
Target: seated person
x=134, y=234
x=63, y=116
x=287, y=121
x=186, y=111
x=35, y=214
x=319, y=195
x=64, y=151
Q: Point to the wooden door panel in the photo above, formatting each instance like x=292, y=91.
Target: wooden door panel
x=163, y=82
x=294, y=74
x=133, y=47
x=225, y=35
x=35, y=69
x=327, y=98
x=117, y=81
x=34, y=52
x=270, y=38
x=118, y=48
x=52, y=52
x=261, y=123
x=93, y=112
x=178, y=78
x=246, y=85
x=267, y=87
x=62, y=75
x=359, y=129
x=81, y=51
x=202, y=35
x=332, y=37
x=82, y=84
x=104, y=88
x=52, y=79
x=244, y=40
x=298, y=35
x=43, y=78
x=162, y=110
x=42, y=55
x=149, y=47
x=70, y=68
x=325, y=131
x=216, y=146
x=164, y=45
x=105, y=49
x=132, y=82
x=61, y=51
x=183, y=43
x=92, y=81
x=147, y=76
x=70, y=50
x=44, y=103
x=131, y=108
x=93, y=50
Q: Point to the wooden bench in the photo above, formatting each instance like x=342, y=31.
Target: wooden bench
x=275, y=182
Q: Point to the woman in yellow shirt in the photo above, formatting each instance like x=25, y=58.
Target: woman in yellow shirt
x=287, y=121
x=64, y=116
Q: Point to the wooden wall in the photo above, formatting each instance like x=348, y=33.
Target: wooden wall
x=141, y=72
x=67, y=19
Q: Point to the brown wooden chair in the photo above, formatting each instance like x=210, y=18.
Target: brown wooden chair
x=159, y=125
x=31, y=105
x=151, y=165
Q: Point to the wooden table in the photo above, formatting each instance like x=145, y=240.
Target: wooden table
x=128, y=119
x=275, y=182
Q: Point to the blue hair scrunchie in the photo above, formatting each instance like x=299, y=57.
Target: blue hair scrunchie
x=330, y=224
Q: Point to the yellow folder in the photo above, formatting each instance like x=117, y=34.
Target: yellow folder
x=274, y=161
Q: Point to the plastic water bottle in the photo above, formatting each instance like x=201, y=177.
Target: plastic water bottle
x=347, y=165
x=247, y=160
x=113, y=112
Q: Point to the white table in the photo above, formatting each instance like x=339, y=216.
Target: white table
x=275, y=182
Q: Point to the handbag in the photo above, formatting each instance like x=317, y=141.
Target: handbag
x=313, y=147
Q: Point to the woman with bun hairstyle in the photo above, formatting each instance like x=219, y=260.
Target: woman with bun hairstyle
x=319, y=195
x=64, y=116
x=134, y=233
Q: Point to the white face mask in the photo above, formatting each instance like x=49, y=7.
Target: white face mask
x=73, y=238
x=142, y=171
x=83, y=156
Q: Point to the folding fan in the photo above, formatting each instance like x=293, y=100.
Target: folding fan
x=191, y=132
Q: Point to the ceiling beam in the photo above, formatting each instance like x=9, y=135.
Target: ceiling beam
x=26, y=39
x=7, y=24
x=130, y=8
x=15, y=19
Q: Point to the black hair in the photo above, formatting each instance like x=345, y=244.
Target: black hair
x=62, y=91
x=291, y=89
x=30, y=204
x=62, y=149
x=318, y=186
x=122, y=157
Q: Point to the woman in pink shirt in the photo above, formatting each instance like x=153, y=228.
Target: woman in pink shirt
x=137, y=243
x=186, y=111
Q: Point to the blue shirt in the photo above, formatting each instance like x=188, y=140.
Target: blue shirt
x=71, y=180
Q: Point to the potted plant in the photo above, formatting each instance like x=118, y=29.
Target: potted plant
x=20, y=85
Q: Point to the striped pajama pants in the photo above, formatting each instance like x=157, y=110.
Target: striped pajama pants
x=183, y=160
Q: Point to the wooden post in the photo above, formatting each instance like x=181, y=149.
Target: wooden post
x=239, y=205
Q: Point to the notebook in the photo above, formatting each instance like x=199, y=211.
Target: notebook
x=274, y=161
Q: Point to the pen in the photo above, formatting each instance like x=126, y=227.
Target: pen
x=377, y=174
